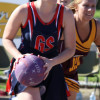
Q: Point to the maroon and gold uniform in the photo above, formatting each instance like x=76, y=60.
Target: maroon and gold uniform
x=82, y=49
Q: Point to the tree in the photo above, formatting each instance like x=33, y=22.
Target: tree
x=98, y=4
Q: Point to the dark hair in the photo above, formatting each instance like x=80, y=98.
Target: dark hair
x=31, y=0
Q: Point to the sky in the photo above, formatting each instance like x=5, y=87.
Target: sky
x=15, y=1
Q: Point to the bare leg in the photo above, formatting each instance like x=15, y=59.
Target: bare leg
x=73, y=95
x=29, y=94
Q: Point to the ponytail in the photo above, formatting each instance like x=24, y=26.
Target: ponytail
x=73, y=4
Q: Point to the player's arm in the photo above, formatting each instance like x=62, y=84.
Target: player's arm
x=17, y=18
x=97, y=39
x=69, y=37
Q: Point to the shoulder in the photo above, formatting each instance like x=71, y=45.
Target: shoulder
x=98, y=22
x=98, y=25
x=97, y=40
x=67, y=12
x=68, y=15
x=20, y=13
x=22, y=9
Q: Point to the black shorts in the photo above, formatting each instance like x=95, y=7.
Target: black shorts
x=55, y=85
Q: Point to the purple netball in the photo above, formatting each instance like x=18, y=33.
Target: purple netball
x=30, y=71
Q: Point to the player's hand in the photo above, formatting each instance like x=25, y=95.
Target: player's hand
x=48, y=65
x=19, y=57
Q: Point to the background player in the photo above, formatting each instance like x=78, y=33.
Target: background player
x=87, y=31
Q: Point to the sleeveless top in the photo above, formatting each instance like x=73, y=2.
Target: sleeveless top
x=82, y=49
x=41, y=38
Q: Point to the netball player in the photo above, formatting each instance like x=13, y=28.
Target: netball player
x=87, y=32
x=41, y=23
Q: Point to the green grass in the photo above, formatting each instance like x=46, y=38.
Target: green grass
x=2, y=83
x=97, y=14
x=1, y=72
x=90, y=79
x=3, y=86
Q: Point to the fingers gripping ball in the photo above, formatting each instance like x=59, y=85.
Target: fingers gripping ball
x=29, y=71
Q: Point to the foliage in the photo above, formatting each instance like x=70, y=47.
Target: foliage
x=2, y=86
x=2, y=82
x=97, y=14
x=98, y=4
x=1, y=72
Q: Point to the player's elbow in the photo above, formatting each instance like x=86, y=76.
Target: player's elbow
x=72, y=50
x=3, y=41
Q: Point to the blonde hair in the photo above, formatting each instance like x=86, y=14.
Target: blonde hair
x=73, y=4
